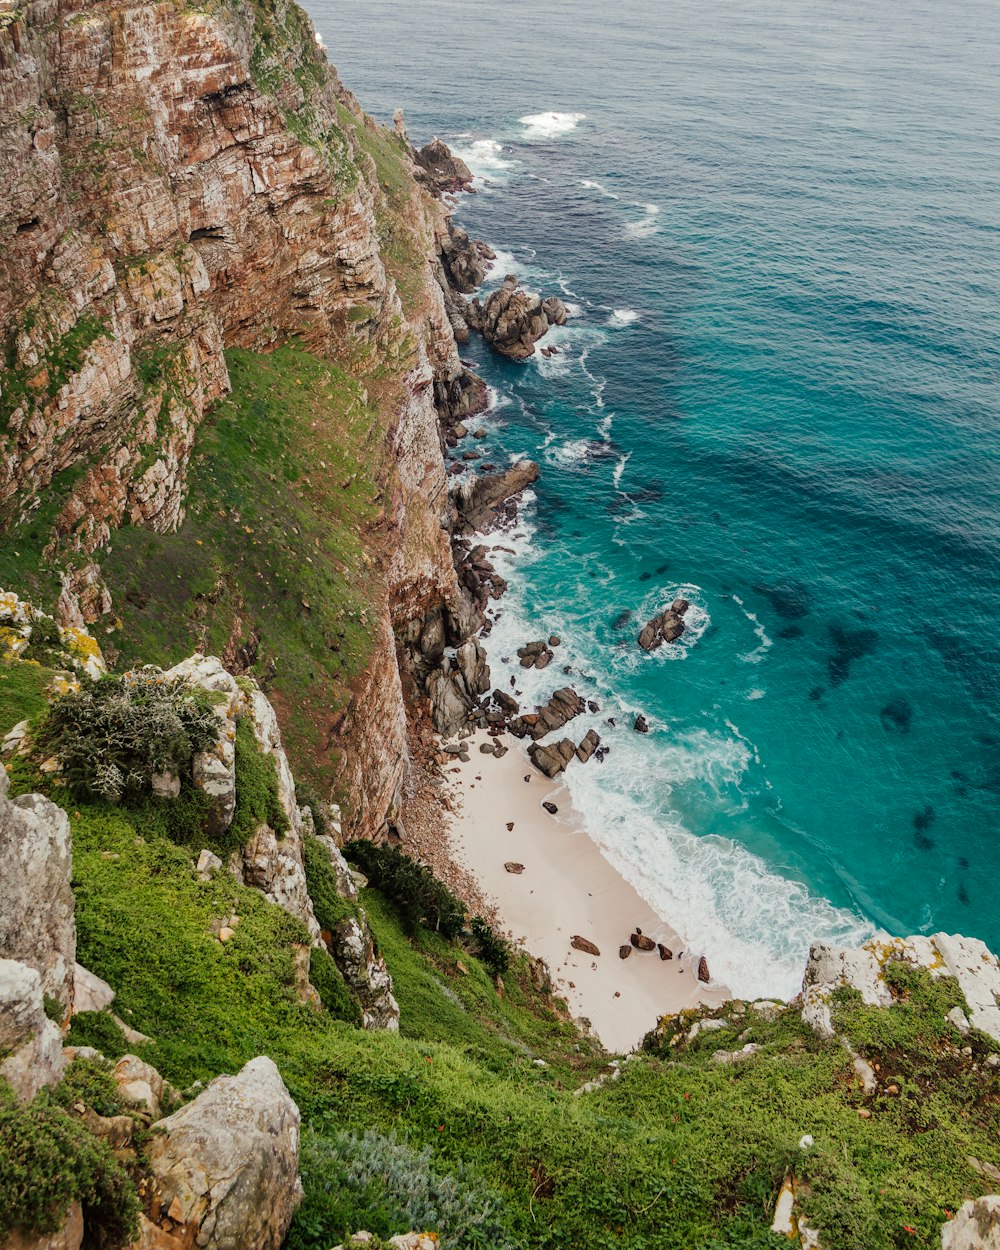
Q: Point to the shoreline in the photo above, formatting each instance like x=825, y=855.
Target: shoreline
x=567, y=888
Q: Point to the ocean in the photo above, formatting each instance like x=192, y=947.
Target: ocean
x=777, y=227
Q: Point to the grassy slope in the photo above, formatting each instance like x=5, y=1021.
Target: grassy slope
x=22, y=691
x=282, y=486
x=679, y=1152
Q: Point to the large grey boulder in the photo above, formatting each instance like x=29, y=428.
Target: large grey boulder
x=37, y=925
x=274, y=866
x=225, y=1167
x=976, y=1226
x=30, y=1043
x=512, y=320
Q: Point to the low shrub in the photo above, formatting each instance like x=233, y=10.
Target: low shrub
x=112, y=735
x=328, y=904
x=99, y=1030
x=89, y=1081
x=421, y=898
x=374, y=1181
x=48, y=1161
x=491, y=947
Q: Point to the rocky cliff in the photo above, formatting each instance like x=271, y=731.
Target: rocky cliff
x=180, y=180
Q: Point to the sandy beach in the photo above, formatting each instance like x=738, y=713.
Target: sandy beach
x=567, y=888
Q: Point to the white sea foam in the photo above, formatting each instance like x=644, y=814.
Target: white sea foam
x=616, y=477
x=753, y=924
x=647, y=224
x=485, y=160
x=623, y=317
x=598, y=186
x=756, y=693
x=763, y=641
x=573, y=311
x=550, y=125
x=500, y=266
x=577, y=451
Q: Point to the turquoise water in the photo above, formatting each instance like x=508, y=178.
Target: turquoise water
x=779, y=229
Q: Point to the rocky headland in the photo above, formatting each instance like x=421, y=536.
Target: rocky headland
x=247, y=577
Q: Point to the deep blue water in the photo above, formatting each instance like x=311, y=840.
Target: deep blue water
x=779, y=226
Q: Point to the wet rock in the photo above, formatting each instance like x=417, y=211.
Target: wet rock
x=641, y=724
x=591, y=741
x=439, y=168
x=667, y=627
x=665, y=951
x=703, y=973
x=478, y=498
x=512, y=320
x=583, y=944
x=466, y=261
x=561, y=708
x=554, y=640
x=624, y=951
x=549, y=807
x=642, y=943
x=552, y=759
x=506, y=704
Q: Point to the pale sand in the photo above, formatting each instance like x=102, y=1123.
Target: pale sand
x=567, y=888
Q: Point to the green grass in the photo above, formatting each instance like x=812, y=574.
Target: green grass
x=271, y=555
x=22, y=692
x=679, y=1152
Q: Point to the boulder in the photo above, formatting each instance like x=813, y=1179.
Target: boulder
x=37, y=925
x=561, y=708
x=346, y=886
x=642, y=943
x=466, y=261
x=665, y=951
x=703, y=973
x=641, y=725
x=478, y=497
x=208, y=864
x=667, y=627
x=90, y=993
x=591, y=741
x=30, y=1043
x=275, y=868
x=517, y=869
x=139, y=1084
x=976, y=1225
x=214, y=770
x=549, y=807
x=552, y=759
x=583, y=944
x=225, y=1167
x=440, y=169
x=512, y=320
x=624, y=951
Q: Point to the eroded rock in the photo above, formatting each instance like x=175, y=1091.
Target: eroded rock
x=225, y=1167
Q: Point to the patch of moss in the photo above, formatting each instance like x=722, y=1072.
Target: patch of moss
x=22, y=692
x=257, y=798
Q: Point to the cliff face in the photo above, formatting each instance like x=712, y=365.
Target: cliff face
x=181, y=179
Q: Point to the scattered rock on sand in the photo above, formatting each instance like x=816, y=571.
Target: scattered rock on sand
x=549, y=807
x=642, y=943
x=510, y=826
x=703, y=973
x=517, y=869
x=667, y=627
x=624, y=951
x=583, y=944
x=665, y=951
